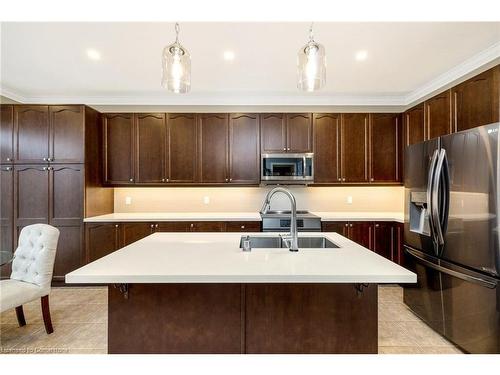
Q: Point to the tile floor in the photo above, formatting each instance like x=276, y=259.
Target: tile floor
x=79, y=316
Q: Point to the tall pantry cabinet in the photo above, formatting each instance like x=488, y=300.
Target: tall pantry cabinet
x=51, y=173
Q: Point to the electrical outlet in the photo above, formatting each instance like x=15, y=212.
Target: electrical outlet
x=349, y=199
x=128, y=200
x=206, y=199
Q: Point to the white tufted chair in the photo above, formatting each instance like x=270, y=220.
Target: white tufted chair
x=32, y=269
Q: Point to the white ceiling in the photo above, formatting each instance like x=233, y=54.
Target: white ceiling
x=47, y=62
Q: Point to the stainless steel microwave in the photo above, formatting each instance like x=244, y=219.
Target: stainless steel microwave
x=287, y=168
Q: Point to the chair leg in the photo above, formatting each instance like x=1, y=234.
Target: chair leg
x=46, y=315
x=20, y=316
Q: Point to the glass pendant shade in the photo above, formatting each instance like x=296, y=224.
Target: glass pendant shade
x=176, y=66
x=311, y=64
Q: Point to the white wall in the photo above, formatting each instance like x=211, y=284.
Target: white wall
x=386, y=198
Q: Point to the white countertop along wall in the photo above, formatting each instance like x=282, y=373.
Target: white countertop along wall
x=217, y=258
x=236, y=216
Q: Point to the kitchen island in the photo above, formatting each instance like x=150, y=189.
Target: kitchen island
x=200, y=293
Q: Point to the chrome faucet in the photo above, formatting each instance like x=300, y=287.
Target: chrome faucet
x=290, y=239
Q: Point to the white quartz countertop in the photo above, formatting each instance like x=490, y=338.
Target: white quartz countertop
x=361, y=216
x=238, y=216
x=175, y=216
x=217, y=258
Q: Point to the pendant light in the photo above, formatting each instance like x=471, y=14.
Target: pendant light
x=176, y=65
x=311, y=64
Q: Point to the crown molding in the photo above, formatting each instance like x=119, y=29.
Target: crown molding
x=269, y=101
x=470, y=67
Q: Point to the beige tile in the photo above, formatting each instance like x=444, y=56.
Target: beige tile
x=399, y=350
x=450, y=349
x=423, y=334
x=390, y=293
x=12, y=335
x=394, y=334
x=395, y=312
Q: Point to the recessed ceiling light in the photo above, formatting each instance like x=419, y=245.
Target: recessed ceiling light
x=229, y=55
x=93, y=54
x=361, y=55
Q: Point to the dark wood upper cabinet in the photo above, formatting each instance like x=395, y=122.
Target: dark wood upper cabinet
x=326, y=130
x=383, y=239
x=31, y=134
x=118, y=131
x=438, y=115
x=476, y=101
x=67, y=134
x=354, y=137
x=244, y=149
x=182, y=147
x=272, y=132
x=299, y=132
x=414, y=125
x=213, y=148
x=6, y=133
x=150, y=148
x=385, y=147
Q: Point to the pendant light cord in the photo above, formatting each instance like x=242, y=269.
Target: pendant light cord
x=177, y=29
x=311, y=33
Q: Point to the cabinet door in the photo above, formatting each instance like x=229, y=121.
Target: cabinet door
x=67, y=134
x=326, y=130
x=101, y=240
x=172, y=226
x=383, y=239
x=31, y=133
x=243, y=226
x=475, y=101
x=182, y=145
x=6, y=133
x=150, y=151
x=132, y=232
x=414, y=120
x=66, y=195
x=340, y=227
x=207, y=226
x=244, y=149
x=385, y=132
x=398, y=244
x=213, y=148
x=361, y=233
x=438, y=115
x=272, y=133
x=299, y=132
x=31, y=196
x=354, y=147
x=69, y=254
x=6, y=214
x=118, y=148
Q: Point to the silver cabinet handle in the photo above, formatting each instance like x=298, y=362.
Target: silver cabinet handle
x=156, y=225
x=226, y=179
x=284, y=148
x=168, y=180
x=162, y=180
x=45, y=159
x=131, y=180
x=50, y=159
x=8, y=168
x=50, y=168
x=350, y=225
x=192, y=225
x=346, y=225
x=116, y=225
x=242, y=227
x=377, y=225
x=343, y=179
x=230, y=180
x=8, y=159
x=152, y=226
x=339, y=179
x=288, y=149
x=372, y=179
x=45, y=168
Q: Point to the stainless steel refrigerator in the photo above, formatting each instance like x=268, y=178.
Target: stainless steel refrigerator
x=451, y=236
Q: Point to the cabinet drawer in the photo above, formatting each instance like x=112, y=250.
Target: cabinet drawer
x=206, y=226
x=243, y=226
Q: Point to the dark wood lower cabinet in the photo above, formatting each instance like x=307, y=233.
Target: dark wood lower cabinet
x=131, y=232
x=243, y=318
x=101, y=240
x=70, y=254
x=243, y=226
x=383, y=237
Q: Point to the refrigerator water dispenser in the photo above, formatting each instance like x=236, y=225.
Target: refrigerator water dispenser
x=419, y=214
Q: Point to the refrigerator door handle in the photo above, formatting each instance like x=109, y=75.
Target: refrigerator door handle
x=436, y=184
x=430, y=195
x=477, y=280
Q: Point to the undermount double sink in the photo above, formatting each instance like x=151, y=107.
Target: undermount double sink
x=276, y=242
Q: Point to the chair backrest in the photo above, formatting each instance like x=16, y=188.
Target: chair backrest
x=35, y=254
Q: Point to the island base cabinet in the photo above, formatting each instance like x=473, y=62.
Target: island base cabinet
x=242, y=318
